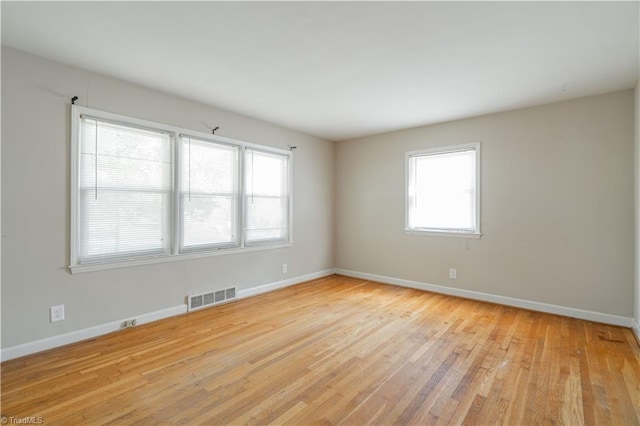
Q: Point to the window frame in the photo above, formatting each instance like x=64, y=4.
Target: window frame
x=123, y=255
x=180, y=211
x=177, y=133
x=476, y=232
x=245, y=208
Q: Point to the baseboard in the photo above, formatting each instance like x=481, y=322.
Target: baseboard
x=636, y=330
x=502, y=300
x=102, y=329
x=85, y=333
x=253, y=291
x=99, y=330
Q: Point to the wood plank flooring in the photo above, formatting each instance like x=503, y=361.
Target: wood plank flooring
x=338, y=350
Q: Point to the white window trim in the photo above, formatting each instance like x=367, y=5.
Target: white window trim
x=179, y=211
x=435, y=232
x=77, y=111
x=139, y=261
x=244, y=208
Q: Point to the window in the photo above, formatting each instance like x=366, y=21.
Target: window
x=146, y=192
x=209, y=195
x=125, y=191
x=443, y=196
x=267, y=197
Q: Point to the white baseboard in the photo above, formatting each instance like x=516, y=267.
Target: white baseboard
x=502, y=300
x=253, y=291
x=85, y=333
x=636, y=329
x=99, y=330
x=88, y=333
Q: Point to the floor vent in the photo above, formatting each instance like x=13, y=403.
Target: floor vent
x=204, y=300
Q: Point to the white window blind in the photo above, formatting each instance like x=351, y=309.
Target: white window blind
x=145, y=192
x=442, y=190
x=125, y=191
x=267, y=197
x=208, y=195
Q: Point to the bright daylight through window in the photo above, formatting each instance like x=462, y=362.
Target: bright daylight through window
x=209, y=195
x=443, y=195
x=231, y=195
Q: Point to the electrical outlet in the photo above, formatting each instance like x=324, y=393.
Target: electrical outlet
x=129, y=323
x=56, y=313
x=285, y=268
x=453, y=273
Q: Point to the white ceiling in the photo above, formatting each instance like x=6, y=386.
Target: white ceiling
x=341, y=70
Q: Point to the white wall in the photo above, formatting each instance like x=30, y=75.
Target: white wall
x=557, y=206
x=35, y=204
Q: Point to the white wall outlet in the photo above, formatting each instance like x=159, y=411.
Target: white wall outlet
x=129, y=323
x=56, y=313
x=453, y=273
x=285, y=268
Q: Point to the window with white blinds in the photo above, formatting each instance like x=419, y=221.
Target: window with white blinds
x=125, y=195
x=267, y=197
x=146, y=192
x=209, y=195
x=443, y=190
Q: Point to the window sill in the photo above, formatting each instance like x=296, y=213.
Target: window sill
x=450, y=234
x=91, y=267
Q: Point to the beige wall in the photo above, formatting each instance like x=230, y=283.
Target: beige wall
x=35, y=198
x=557, y=206
x=637, y=208
x=557, y=210
x=637, y=198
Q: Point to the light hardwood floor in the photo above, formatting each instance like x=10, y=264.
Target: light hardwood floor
x=338, y=351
